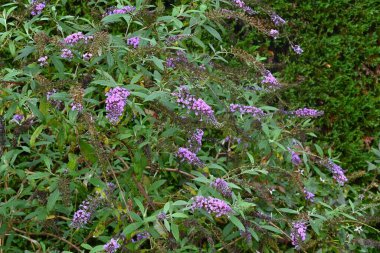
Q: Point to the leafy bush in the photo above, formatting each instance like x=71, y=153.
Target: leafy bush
x=132, y=128
x=338, y=72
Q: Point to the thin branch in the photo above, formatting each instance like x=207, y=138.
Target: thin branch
x=51, y=235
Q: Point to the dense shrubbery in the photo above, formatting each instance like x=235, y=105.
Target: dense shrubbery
x=138, y=128
x=339, y=72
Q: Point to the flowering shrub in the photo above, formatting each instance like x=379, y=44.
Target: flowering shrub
x=125, y=128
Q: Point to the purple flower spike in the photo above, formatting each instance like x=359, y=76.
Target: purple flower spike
x=221, y=186
x=297, y=49
x=211, y=205
x=197, y=105
x=134, y=41
x=75, y=106
x=195, y=142
x=37, y=7
x=42, y=61
x=298, y=233
x=111, y=246
x=83, y=215
x=115, y=103
x=141, y=236
x=75, y=38
x=87, y=56
x=338, y=172
x=309, y=195
x=306, y=112
x=296, y=160
x=277, y=20
x=66, y=53
x=123, y=10
x=246, y=109
x=186, y=155
x=270, y=80
x=18, y=118
x=242, y=5
x=274, y=33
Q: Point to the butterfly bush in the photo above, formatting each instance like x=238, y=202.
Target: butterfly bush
x=247, y=109
x=196, y=105
x=298, y=233
x=134, y=41
x=115, y=103
x=307, y=112
x=195, y=142
x=185, y=155
x=186, y=116
x=37, y=7
x=211, y=205
x=221, y=186
x=270, y=80
x=111, y=246
x=338, y=172
x=123, y=10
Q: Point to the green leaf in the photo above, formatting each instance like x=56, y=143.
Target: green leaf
x=271, y=228
x=154, y=95
x=175, y=231
x=287, y=210
x=52, y=200
x=237, y=222
x=97, y=249
x=88, y=151
x=213, y=32
x=131, y=228
x=158, y=62
x=179, y=215
x=35, y=135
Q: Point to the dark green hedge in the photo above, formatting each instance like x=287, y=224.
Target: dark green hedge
x=339, y=69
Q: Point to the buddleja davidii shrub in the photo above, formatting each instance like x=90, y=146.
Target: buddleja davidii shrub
x=135, y=134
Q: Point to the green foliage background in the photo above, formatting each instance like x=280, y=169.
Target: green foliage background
x=339, y=70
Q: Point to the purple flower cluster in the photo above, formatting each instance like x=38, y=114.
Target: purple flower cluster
x=123, y=10
x=306, y=112
x=42, y=61
x=296, y=160
x=66, y=53
x=115, y=103
x=241, y=4
x=246, y=109
x=274, y=33
x=111, y=246
x=56, y=103
x=186, y=155
x=338, y=173
x=197, y=105
x=232, y=139
x=76, y=38
x=211, y=205
x=308, y=195
x=134, y=41
x=298, y=233
x=174, y=38
x=75, y=106
x=18, y=118
x=270, y=80
x=140, y=236
x=195, y=142
x=171, y=62
x=297, y=49
x=161, y=216
x=221, y=186
x=37, y=7
x=277, y=20
x=83, y=215
x=87, y=56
